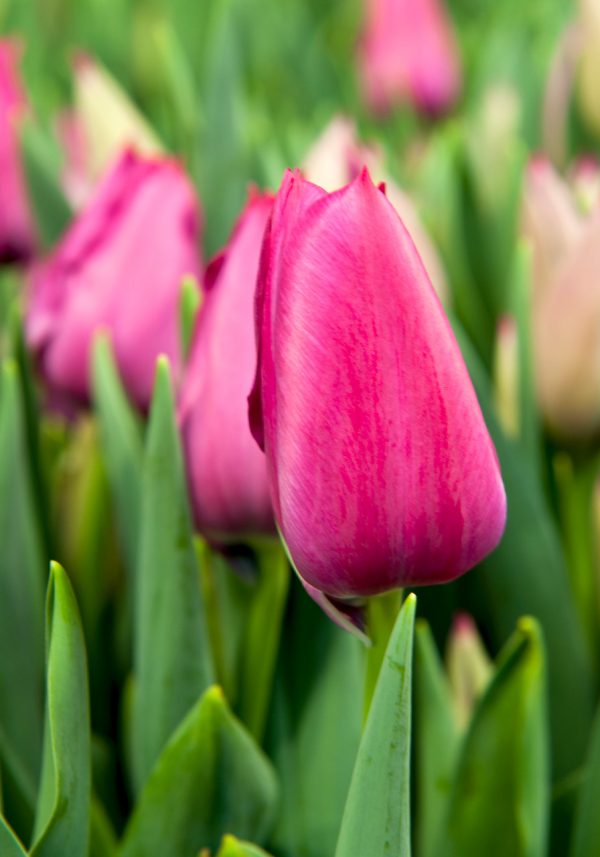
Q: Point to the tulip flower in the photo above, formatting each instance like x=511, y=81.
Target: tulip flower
x=565, y=301
x=118, y=268
x=227, y=472
x=16, y=229
x=382, y=472
x=337, y=157
x=408, y=53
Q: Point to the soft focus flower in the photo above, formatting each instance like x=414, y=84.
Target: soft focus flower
x=337, y=157
x=469, y=667
x=16, y=230
x=381, y=469
x=506, y=374
x=118, y=267
x=226, y=470
x=408, y=53
x=565, y=302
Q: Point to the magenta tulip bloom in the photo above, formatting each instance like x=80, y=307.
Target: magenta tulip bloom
x=16, y=230
x=227, y=472
x=408, y=53
x=118, y=268
x=381, y=468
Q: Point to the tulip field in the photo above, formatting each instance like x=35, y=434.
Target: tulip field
x=299, y=428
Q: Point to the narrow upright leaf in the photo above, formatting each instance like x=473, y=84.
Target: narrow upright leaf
x=62, y=818
x=9, y=843
x=377, y=815
x=41, y=160
x=22, y=572
x=314, y=727
x=172, y=660
x=210, y=779
x=586, y=836
x=120, y=436
x=500, y=796
x=436, y=740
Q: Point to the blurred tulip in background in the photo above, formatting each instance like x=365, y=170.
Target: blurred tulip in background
x=409, y=54
x=119, y=268
x=226, y=471
x=16, y=229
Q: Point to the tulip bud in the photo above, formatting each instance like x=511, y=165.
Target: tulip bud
x=119, y=268
x=337, y=157
x=566, y=339
x=550, y=221
x=108, y=120
x=469, y=667
x=584, y=180
x=227, y=472
x=506, y=375
x=16, y=229
x=409, y=53
x=381, y=469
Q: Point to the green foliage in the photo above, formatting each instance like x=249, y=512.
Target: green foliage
x=211, y=778
x=377, y=815
x=172, y=659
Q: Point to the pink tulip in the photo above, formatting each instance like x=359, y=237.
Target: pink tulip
x=226, y=471
x=408, y=53
x=118, y=268
x=381, y=469
x=16, y=230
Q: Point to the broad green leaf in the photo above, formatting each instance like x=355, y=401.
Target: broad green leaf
x=499, y=803
x=172, y=659
x=232, y=847
x=526, y=574
x=62, y=818
x=41, y=161
x=22, y=572
x=9, y=843
x=586, y=835
x=210, y=779
x=120, y=436
x=377, y=814
x=314, y=727
x=436, y=736
x=262, y=635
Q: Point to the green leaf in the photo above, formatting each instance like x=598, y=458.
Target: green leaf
x=189, y=304
x=377, y=814
x=314, y=727
x=436, y=740
x=526, y=574
x=586, y=835
x=120, y=436
x=9, y=843
x=103, y=842
x=22, y=571
x=210, y=779
x=500, y=797
x=232, y=847
x=62, y=817
x=262, y=635
x=172, y=659
x=41, y=161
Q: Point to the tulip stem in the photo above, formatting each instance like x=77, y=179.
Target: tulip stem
x=382, y=612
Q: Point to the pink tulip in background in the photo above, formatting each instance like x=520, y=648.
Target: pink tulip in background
x=226, y=471
x=408, y=53
x=16, y=229
x=118, y=268
x=381, y=468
